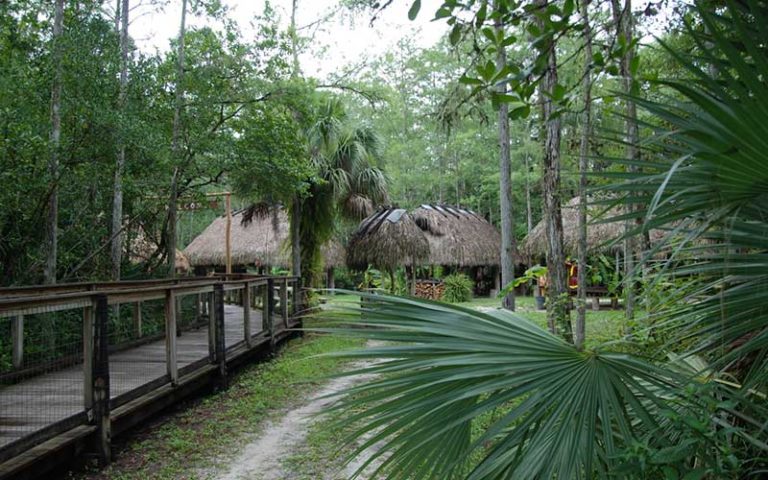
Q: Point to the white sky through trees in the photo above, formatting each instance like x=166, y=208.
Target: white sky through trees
x=338, y=40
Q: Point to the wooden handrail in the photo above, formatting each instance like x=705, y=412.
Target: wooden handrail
x=50, y=298
x=81, y=287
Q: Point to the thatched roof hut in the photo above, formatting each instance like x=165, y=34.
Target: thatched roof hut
x=387, y=239
x=334, y=254
x=458, y=237
x=265, y=240
x=600, y=235
x=142, y=250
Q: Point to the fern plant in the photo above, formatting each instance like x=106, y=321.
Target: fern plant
x=458, y=288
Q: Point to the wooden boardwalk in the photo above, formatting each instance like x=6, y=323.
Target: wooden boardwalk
x=50, y=412
x=59, y=395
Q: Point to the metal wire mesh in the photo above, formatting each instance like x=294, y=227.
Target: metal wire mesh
x=192, y=340
x=234, y=318
x=137, y=346
x=42, y=379
x=41, y=372
x=258, y=326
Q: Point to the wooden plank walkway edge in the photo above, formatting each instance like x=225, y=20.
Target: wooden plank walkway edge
x=67, y=446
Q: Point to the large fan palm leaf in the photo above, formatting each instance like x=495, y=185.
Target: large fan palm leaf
x=447, y=370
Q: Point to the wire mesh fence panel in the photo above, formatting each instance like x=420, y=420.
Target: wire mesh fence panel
x=41, y=372
x=281, y=309
x=292, y=300
x=258, y=326
x=137, y=347
x=192, y=340
x=234, y=313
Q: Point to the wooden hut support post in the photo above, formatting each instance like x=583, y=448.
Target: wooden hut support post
x=228, y=233
x=170, y=337
x=100, y=387
x=17, y=338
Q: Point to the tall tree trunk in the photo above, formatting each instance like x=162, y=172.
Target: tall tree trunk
x=622, y=17
x=170, y=242
x=528, y=208
x=116, y=253
x=117, y=16
x=296, y=210
x=51, y=227
x=586, y=121
x=505, y=181
x=558, y=318
x=294, y=40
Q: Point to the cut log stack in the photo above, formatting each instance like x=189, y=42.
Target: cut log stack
x=430, y=289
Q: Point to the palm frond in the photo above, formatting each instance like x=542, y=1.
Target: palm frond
x=372, y=183
x=445, y=371
x=709, y=183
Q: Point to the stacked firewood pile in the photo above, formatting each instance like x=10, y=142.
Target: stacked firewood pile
x=431, y=289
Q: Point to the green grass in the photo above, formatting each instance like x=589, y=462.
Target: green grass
x=322, y=453
x=602, y=326
x=188, y=441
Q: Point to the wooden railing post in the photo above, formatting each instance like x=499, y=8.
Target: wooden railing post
x=284, y=301
x=297, y=304
x=170, y=336
x=220, y=342
x=88, y=360
x=17, y=338
x=100, y=381
x=296, y=296
x=138, y=328
x=211, y=326
x=247, y=314
x=178, y=311
x=198, y=301
x=269, y=308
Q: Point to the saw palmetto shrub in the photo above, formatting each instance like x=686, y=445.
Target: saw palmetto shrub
x=458, y=288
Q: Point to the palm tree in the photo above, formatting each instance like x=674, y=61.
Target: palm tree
x=347, y=183
x=467, y=394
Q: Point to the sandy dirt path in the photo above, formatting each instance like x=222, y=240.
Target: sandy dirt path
x=261, y=458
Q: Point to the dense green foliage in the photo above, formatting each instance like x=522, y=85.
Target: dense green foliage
x=241, y=123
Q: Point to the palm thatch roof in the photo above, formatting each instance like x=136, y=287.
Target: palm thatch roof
x=601, y=235
x=334, y=254
x=143, y=249
x=264, y=240
x=387, y=239
x=458, y=236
